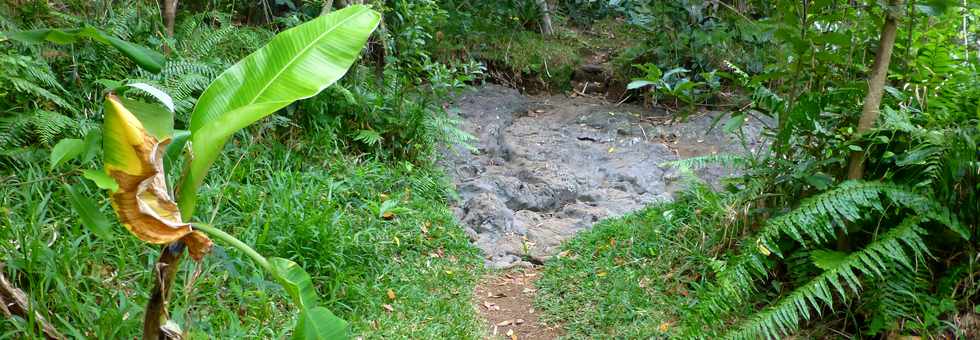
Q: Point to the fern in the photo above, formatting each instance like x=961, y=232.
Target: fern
x=899, y=246
x=814, y=221
x=898, y=297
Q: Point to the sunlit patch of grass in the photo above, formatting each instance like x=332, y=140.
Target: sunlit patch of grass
x=629, y=277
x=325, y=212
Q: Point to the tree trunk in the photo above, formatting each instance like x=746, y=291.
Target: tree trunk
x=876, y=86
x=546, y=28
x=169, y=13
x=327, y=7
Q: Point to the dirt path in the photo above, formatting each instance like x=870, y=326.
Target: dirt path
x=506, y=302
x=547, y=167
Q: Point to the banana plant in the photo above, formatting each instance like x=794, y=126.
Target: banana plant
x=671, y=84
x=298, y=63
x=146, y=58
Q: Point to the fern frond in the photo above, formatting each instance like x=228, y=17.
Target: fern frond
x=49, y=126
x=29, y=87
x=813, y=222
x=13, y=130
x=900, y=246
x=897, y=297
x=203, y=47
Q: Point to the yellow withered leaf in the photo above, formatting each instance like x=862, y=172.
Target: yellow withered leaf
x=134, y=159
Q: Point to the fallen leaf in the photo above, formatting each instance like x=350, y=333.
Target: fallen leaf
x=612, y=149
x=490, y=305
x=505, y=323
x=529, y=290
x=388, y=307
x=510, y=333
x=496, y=295
x=424, y=227
x=388, y=215
x=664, y=327
x=391, y=294
x=518, y=321
x=601, y=273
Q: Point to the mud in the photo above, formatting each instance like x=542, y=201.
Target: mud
x=547, y=167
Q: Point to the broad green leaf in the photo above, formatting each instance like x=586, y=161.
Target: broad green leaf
x=319, y=323
x=67, y=149
x=175, y=148
x=296, y=281
x=827, y=259
x=101, y=179
x=144, y=57
x=735, y=123
x=819, y=180
x=638, y=84
x=159, y=94
x=93, y=143
x=156, y=119
x=675, y=71
x=298, y=63
x=315, y=322
x=89, y=214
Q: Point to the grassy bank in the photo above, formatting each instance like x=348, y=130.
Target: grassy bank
x=634, y=275
x=361, y=228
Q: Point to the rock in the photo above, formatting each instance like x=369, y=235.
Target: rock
x=543, y=175
x=486, y=213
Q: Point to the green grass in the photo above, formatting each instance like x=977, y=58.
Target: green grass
x=297, y=201
x=522, y=54
x=631, y=277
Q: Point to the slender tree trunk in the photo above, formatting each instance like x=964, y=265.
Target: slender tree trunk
x=380, y=52
x=327, y=7
x=876, y=86
x=169, y=12
x=546, y=28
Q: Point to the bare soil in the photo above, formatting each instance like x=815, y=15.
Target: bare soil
x=506, y=301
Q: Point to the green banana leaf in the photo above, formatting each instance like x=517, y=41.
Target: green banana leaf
x=315, y=322
x=146, y=58
x=298, y=63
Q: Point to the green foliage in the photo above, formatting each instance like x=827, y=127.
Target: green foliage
x=269, y=79
x=895, y=250
x=633, y=275
x=293, y=198
x=144, y=57
x=797, y=249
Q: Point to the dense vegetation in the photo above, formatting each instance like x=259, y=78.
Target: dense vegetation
x=858, y=219
x=808, y=236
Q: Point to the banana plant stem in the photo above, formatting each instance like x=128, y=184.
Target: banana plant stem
x=234, y=242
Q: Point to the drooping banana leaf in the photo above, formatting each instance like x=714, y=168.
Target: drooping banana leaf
x=135, y=137
x=298, y=63
x=146, y=58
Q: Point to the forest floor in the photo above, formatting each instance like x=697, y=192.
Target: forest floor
x=547, y=167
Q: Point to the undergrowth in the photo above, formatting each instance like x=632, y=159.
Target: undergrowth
x=360, y=228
